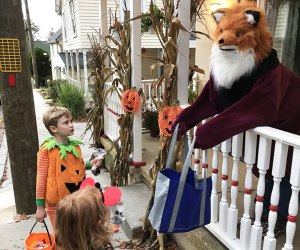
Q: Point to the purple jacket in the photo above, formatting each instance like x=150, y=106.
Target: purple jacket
x=273, y=100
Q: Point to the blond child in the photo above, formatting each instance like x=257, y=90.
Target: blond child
x=81, y=220
x=60, y=167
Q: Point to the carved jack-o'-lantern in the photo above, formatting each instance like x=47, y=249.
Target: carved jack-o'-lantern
x=131, y=101
x=166, y=118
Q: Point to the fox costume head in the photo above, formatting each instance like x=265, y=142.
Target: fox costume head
x=241, y=41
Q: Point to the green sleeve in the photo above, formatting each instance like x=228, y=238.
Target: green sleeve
x=88, y=165
x=40, y=202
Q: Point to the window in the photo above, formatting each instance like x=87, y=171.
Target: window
x=284, y=22
x=72, y=14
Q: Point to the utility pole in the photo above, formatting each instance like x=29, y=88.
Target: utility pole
x=31, y=47
x=18, y=105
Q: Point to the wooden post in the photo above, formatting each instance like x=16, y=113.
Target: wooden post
x=67, y=64
x=103, y=17
x=31, y=47
x=183, y=54
x=18, y=112
x=72, y=65
x=78, y=68
x=86, y=81
x=136, y=79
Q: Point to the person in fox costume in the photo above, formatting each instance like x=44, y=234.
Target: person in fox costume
x=247, y=88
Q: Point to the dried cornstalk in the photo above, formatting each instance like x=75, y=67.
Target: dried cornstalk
x=167, y=33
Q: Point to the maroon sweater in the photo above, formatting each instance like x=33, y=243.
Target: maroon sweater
x=270, y=96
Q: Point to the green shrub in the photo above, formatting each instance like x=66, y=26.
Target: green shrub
x=53, y=86
x=72, y=98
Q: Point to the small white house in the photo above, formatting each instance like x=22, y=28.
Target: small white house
x=70, y=45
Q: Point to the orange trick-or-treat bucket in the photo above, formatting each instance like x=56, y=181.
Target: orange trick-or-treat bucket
x=36, y=241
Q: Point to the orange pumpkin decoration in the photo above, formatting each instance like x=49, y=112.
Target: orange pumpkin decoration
x=131, y=101
x=166, y=118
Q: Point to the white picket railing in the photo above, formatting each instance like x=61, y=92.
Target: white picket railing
x=113, y=108
x=224, y=215
x=112, y=111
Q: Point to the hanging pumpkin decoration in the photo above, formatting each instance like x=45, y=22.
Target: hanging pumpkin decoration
x=131, y=101
x=166, y=118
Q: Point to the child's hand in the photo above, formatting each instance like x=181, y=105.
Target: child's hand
x=40, y=214
x=97, y=161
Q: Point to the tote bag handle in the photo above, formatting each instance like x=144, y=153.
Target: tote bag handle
x=172, y=146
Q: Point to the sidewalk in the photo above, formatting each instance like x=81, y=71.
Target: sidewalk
x=12, y=234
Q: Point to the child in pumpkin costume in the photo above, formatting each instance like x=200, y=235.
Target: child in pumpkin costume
x=60, y=166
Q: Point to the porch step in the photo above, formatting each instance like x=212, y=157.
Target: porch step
x=135, y=199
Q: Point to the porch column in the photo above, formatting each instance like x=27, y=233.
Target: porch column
x=103, y=17
x=103, y=22
x=135, y=10
x=78, y=68
x=72, y=64
x=85, y=73
x=67, y=64
x=183, y=55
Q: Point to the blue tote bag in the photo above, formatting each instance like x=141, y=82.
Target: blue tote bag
x=181, y=201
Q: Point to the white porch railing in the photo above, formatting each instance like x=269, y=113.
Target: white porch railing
x=113, y=108
x=155, y=92
x=224, y=215
x=78, y=82
x=112, y=111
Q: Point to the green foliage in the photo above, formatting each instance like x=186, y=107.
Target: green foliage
x=53, y=86
x=192, y=95
x=150, y=120
x=43, y=66
x=72, y=98
x=147, y=21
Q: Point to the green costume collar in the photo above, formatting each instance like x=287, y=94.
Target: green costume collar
x=63, y=149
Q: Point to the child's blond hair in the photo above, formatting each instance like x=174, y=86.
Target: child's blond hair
x=51, y=116
x=81, y=221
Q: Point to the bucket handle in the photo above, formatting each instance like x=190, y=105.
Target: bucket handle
x=46, y=229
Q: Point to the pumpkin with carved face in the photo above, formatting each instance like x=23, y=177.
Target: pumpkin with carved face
x=166, y=118
x=131, y=101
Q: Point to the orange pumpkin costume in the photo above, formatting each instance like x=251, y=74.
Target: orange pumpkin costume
x=60, y=171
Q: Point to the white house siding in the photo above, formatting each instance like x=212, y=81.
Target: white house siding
x=71, y=41
x=89, y=20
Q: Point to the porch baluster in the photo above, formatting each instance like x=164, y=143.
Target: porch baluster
x=233, y=211
x=214, y=194
x=278, y=171
x=204, y=163
x=263, y=165
x=293, y=207
x=197, y=161
x=250, y=153
x=223, y=212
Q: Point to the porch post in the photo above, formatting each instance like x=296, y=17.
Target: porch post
x=78, y=68
x=103, y=22
x=183, y=55
x=67, y=64
x=103, y=17
x=72, y=65
x=86, y=82
x=135, y=10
